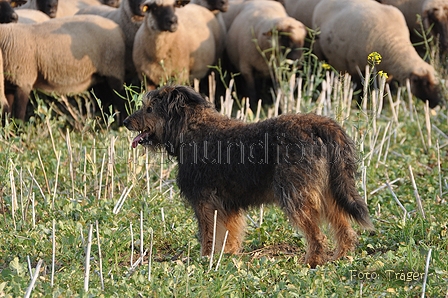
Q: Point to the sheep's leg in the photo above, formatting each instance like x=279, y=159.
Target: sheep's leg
x=21, y=102
x=7, y=106
x=105, y=92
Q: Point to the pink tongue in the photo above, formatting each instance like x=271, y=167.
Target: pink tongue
x=136, y=140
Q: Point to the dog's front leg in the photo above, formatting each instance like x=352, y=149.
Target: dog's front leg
x=231, y=221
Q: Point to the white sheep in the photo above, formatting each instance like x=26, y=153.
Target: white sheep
x=58, y=8
x=219, y=8
x=301, y=10
x=31, y=16
x=214, y=6
x=129, y=16
x=257, y=20
x=233, y=10
x=432, y=12
x=61, y=56
x=180, y=44
x=352, y=29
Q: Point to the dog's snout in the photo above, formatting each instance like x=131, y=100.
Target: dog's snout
x=126, y=122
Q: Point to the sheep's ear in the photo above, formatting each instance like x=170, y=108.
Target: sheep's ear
x=146, y=7
x=180, y=3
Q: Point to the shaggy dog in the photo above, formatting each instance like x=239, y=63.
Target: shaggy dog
x=304, y=163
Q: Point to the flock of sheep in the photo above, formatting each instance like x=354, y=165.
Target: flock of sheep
x=68, y=46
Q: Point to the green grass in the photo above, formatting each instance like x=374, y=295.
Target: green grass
x=72, y=178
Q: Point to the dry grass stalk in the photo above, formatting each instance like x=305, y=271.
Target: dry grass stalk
x=87, y=264
x=99, y=254
x=215, y=217
x=53, y=251
x=417, y=196
x=222, y=250
x=150, y=253
x=33, y=281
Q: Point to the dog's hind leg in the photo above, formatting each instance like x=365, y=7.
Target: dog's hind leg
x=231, y=221
x=343, y=233
x=303, y=209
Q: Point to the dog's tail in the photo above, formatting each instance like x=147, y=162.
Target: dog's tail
x=343, y=159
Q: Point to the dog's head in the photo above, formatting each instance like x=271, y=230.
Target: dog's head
x=166, y=113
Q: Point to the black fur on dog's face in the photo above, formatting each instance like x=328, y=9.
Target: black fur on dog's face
x=163, y=117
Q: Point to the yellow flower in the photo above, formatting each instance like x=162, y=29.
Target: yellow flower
x=326, y=66
x=383, y=74
x=374, y=58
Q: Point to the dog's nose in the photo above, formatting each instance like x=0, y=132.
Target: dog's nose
x=126, y=122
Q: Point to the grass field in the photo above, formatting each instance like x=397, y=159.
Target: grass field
x=102, y=219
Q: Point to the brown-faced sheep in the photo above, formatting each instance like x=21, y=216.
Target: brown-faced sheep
x=61, y=56
x=352, y=29
x=31, y=16
x=259, y=20
x=59, y=8
x=175, y=44
x=433, y=12
x=129, y=16
x=7, y=13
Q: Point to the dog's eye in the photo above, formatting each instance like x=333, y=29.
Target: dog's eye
x=148, y=109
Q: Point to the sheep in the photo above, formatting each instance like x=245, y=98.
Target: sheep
x=179, y=44
x=62, y=56
x=31, y=16
x=218, y=7
x=49, y=7
x=301, y=10
x=129, y=16
x=7, y=13
x=232, y=11
x=379, y=28
x=16, y=3
x=433, y=12
x=259, y=19
x=215, y=6
x=61, y=8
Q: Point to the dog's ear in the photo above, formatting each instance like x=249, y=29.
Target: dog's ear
x=188, y=96
x=180, y=98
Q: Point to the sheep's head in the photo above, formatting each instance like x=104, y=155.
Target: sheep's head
x=7, y=13
x=291, y=37
x=213, y=5
x=425, y=86
x=48, y=7
x=160, y=15
x=435, y=13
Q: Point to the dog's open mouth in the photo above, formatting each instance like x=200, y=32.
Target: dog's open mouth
x=142, y=139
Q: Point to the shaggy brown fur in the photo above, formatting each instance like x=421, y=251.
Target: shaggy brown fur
x=304, y=163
